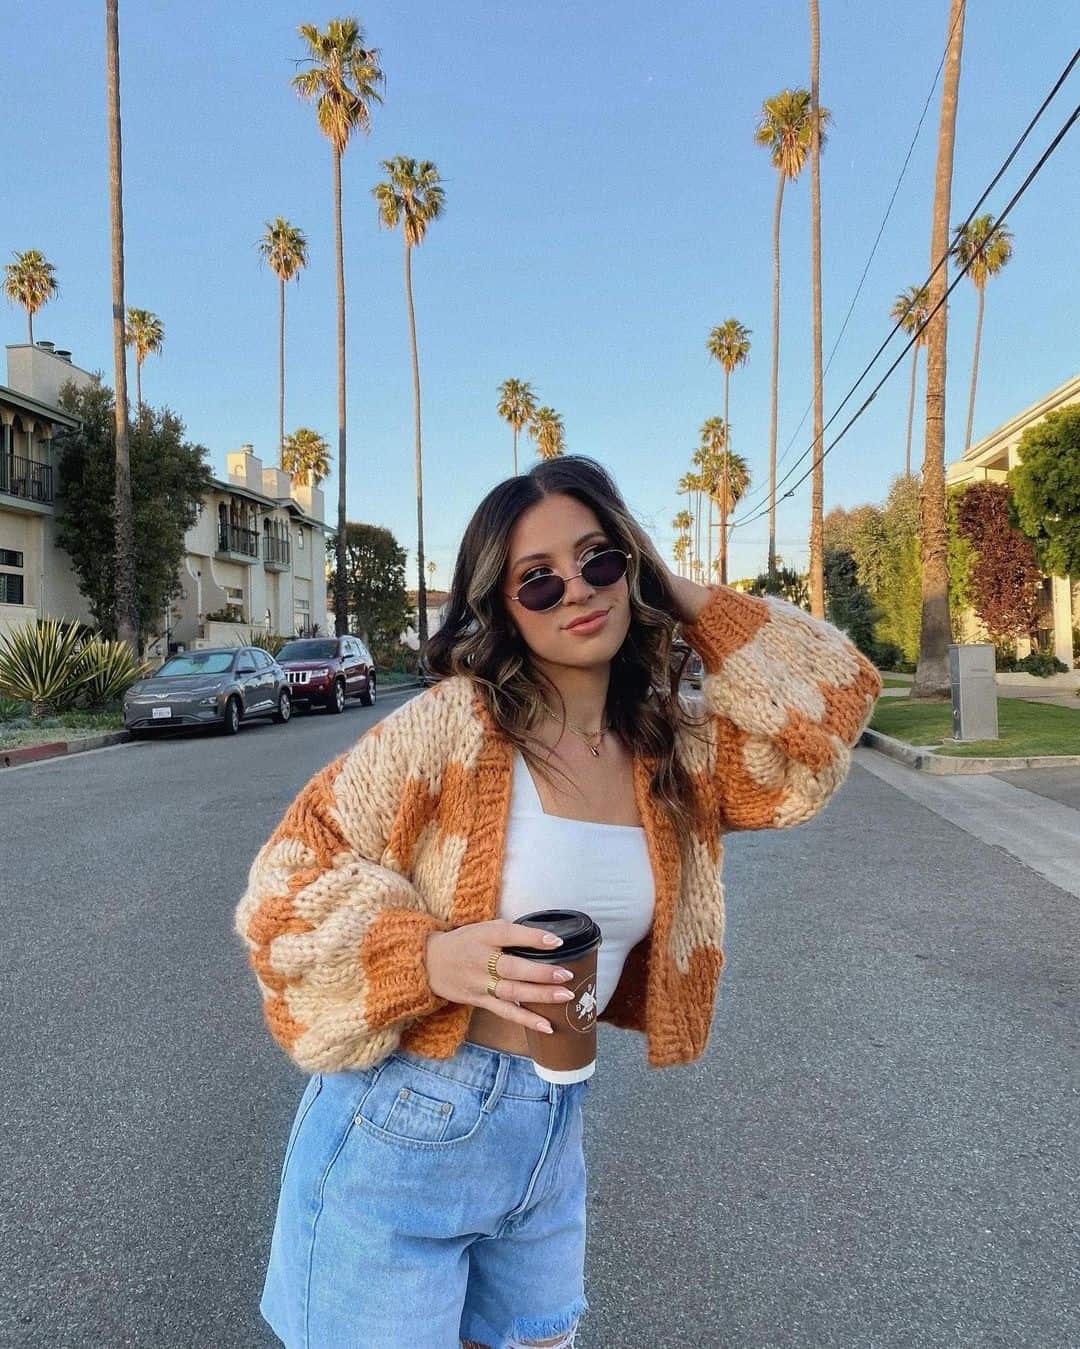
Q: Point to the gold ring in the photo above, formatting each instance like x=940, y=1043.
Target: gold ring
x=493, y=978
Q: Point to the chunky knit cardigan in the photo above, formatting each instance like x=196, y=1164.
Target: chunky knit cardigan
x=404, y=834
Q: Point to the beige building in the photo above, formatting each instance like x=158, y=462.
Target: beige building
x=255, y=559
x=989, y=460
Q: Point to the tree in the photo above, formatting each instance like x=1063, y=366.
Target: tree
x=412, y=197
x=305, y=456
x=517, y=405
x=817, y=480
x=344, y=81
x=1004, y=577
x=125, y=589
x=728, y=343
x=30, y=281
x=910, y=309
x=848, y=603
x=283, y=247
x=546, y=428
x=375, y=583
x=680, y=551
x=987, y=247
x=171, y=478
x=145, y=332
x=681, y=523
x=736, y=472
x=692, y=485
x=932, y=673
x=784, y=128
x=1046, y=490
x=709, y=459
x=783, y=582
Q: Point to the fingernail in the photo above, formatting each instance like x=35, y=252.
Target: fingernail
x=543, y=1025
x=563, y=974
x=563, y=994
x=551, y=939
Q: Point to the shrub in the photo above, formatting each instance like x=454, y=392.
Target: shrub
x=1041, y=663
x=55, y=664
x=269, y=641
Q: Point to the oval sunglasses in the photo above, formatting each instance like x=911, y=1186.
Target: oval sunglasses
x=545, y=592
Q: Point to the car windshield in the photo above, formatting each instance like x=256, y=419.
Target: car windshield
x=198, y=663
x=308, y=650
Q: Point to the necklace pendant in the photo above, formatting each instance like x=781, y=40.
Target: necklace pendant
x=595, y=751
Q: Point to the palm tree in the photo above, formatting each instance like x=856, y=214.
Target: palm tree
x=817, y=465
x=517, y=405
x=680, y=550
x=690, y=484
x=412, y=196
x=932, y=671
x=910, y=309
x=681, y=523
x=344, y=81
x=283, y=247
x=784, y=127
x=709, y=459
x=988, y=248
x=146, y=333
x=432, y=568
x=30, y=281
x=735, y=472
x=546, y=428
x=305, y=456
x=728, y=343
x=125, y=594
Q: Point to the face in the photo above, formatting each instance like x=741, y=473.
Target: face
x=590, y=623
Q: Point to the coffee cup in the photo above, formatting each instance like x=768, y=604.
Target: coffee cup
x=569, y=1055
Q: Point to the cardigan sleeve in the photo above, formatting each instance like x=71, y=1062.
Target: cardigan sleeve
x=786, y=696
x=336, y=933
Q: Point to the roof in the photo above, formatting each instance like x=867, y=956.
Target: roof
x=275, y=503
x=36, y=409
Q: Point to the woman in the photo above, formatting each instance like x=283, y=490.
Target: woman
x=433, y=1187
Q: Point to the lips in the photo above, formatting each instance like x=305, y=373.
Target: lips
x=588, y=621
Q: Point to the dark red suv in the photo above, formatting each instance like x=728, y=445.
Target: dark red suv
x=324, y=671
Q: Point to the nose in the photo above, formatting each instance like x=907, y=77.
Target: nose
x=578, y=591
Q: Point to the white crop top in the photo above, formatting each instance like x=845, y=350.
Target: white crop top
x=556, y=863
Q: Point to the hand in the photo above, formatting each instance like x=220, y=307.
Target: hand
x=690, y=597
x=457, y=970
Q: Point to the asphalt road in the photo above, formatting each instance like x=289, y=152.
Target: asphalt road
x=879, y=1150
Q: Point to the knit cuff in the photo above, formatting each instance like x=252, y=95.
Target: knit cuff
x=393, y=954
x=727, y=622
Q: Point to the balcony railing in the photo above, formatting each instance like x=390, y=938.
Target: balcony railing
x=233, y=539
x=27, y=478
x=276, y=551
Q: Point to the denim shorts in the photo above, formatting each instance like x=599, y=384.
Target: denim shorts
x=428, y=1201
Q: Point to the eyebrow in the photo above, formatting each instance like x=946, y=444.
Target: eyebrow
x=540, y=557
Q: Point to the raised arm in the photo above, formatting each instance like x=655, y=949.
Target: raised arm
x=787, y=696
x=335, y=932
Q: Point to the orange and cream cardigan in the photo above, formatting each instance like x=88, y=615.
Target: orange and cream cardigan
x=404, y=835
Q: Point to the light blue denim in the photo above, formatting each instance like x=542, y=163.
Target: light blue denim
x=426, y=1201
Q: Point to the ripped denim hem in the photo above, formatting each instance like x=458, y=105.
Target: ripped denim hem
x=537, y=1328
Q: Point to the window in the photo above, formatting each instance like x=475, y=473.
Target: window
x=11, y=588
x=10, y=558
x=234, y=594
x=262, y=659
x=300, y=538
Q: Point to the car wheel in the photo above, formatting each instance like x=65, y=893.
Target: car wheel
x=230, y=722
x=336, y=702
x=367, y=699
x=284, y=707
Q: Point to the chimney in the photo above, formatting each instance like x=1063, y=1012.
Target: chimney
x=64, y=355
x=248, y=449
x=45, y=346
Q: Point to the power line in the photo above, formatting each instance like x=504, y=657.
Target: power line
x=1000, y=220
x=940, y=263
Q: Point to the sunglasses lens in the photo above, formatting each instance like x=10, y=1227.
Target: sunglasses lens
x=542, y=592
x=605, y=568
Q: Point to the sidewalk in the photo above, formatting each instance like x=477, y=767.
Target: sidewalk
x=1033, y=814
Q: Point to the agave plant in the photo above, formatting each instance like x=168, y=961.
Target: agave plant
x=42, y=664
x=110, y=669
x=11, y=709
x=269, y=641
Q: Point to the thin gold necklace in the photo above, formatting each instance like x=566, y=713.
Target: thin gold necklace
x=587, y=737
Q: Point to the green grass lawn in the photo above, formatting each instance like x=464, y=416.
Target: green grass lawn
x=894, y=682
x=1025, y=728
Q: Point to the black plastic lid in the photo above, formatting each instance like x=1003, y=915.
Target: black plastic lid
x=577, y=929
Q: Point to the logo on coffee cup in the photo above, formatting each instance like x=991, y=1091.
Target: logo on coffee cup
x=581, y=1013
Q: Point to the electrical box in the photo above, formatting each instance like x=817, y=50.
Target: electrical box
x=974, y=691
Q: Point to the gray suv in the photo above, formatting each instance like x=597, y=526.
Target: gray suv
x=220, y=686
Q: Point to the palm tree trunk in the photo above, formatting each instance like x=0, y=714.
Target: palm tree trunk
x=138, y=387
x=911, y=410
x=125, y=595
x=341, y=614
x=932, y=672
x=281, y=375
x=817, y=482
x=515, y=450
x=725, y=485
x=975, y=368
x=30, y=326
x=708, y=539
x=421, y=588
x=775, y=371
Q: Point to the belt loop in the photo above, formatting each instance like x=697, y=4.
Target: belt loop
x=501, y=1071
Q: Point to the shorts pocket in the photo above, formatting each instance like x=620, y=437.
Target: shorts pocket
x=413, y=1107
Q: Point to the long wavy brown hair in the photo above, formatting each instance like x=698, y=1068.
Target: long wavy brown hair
x=477, y=639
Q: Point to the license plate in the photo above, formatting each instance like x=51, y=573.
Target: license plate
x=160, y=712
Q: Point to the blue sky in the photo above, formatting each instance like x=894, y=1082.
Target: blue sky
x=606, y=207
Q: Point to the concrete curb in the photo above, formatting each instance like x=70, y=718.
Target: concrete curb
x=54, y=749
x=926, y=761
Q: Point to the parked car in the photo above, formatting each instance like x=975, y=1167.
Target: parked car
x=324, y=671
x=687, y=664
x=219, y=686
